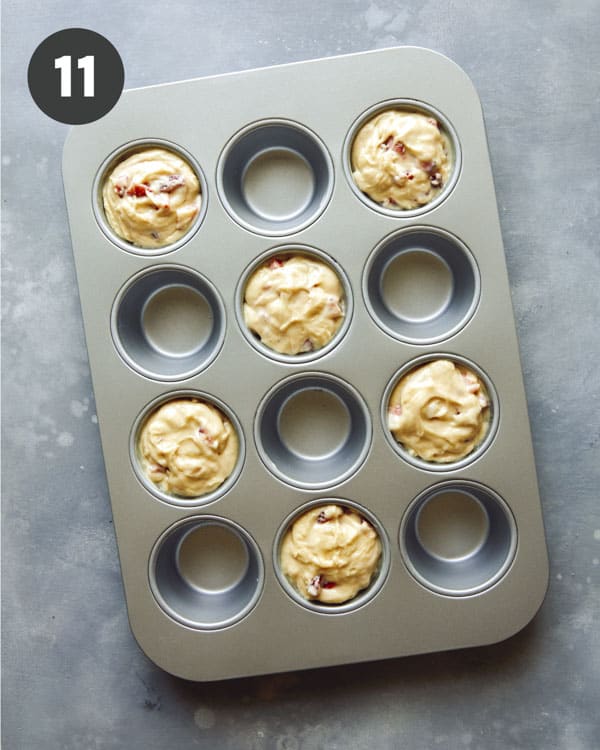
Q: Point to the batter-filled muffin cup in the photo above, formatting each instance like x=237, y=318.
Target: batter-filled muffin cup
x=439, y=411
x=330, y=553
x=294, y=304
x=187, y=448
x=401, y=159
x=151, y=198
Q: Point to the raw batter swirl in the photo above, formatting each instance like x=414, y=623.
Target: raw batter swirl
x=401, y=159
x=294, y=304
x=151, y=198
x=188, y=447
x=330, y=553
x=439, y=411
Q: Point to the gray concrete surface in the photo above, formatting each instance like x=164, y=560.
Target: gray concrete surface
x=72, y=676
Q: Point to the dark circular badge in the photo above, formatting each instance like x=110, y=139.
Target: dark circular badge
x=75, y=76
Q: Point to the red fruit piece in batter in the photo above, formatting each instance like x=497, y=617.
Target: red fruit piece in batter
x=173, y=181
x=204, y=434
x=137, y=190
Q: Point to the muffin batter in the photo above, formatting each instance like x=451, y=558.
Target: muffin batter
x=439, y=411
x=188, y=447
x=330, y=553
x=151, y=198
x=401, y=159
x=294, y=304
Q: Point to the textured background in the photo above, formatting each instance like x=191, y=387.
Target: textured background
x=73, y=677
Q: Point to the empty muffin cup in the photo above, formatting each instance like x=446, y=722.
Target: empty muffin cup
x=294, y=304
x=150, y=197
x=206, y=572
x=168, y=322
x=440, y=412
x=313, y=430
x=275, y=177
x=402, y=158
x=187, y=448
x=458, y=538
x=421, y=285
x=331, y=556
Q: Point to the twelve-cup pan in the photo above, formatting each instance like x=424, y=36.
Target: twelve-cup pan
x=463, y=554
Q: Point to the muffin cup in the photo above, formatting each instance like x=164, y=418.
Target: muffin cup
x=407, y=105
x=275, y=177
x=206, y=572
x=287, y=251
x=119, y=155
x=168, y=322
x=458, y=538
x=179, y=499
x=313, y=430
x=421, y=285
x=479, y=449
x=363, y=597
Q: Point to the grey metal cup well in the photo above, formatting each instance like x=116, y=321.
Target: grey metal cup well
x=168, y=322
x=313, y=430
x=446, y=289
x=458, y=538
x=213, y=595
x=275, y=177
x=464, y=554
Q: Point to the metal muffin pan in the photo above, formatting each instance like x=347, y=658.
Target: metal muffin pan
x=464, y=557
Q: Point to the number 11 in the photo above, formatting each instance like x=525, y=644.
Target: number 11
x=83, y=63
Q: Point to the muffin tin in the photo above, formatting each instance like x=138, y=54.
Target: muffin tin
x=464, y=557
